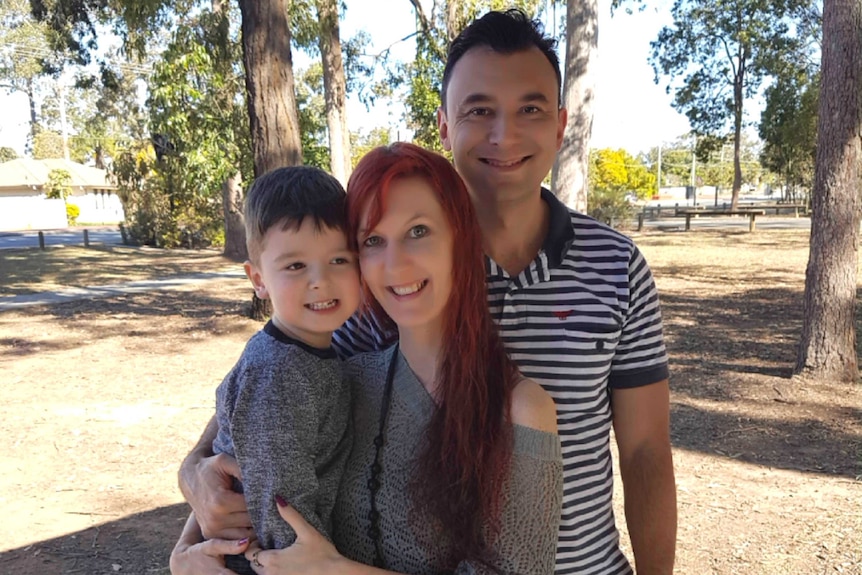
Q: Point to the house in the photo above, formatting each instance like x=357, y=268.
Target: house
x=23, y=204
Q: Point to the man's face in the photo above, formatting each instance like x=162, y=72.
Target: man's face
x=502, y=123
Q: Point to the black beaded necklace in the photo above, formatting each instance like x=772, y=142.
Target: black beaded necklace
x=376, y=469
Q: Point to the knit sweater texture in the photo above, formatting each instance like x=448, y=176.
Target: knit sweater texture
x=283, y=413
x=530, y=518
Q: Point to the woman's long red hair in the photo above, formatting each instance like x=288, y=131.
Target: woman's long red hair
x=462, y=469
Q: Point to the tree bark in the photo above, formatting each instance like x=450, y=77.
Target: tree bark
x=335, y=90
x=268, y=63
x=234, y=223
x=827, y=350
x=569, y=176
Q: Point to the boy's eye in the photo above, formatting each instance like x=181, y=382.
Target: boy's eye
x=372, y=242
x=419, y=231
x=295, y=266
x=341, y=261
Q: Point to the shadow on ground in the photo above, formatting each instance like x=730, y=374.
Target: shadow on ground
x=139, y=544
x=732, y=357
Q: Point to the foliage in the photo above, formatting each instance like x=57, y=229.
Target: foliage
x=72, y=213
x=361, y=144
x=788, y=128
x=58, y=186
x=47, y=145
x=7, y=154
x=312, y=116
x=613, y=176
x=717, y=53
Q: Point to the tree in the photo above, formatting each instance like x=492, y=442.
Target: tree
x=721, y=50
x=788, y=128
x=7, y=154
x=59, y=185
x=614, y=175
x=827, y=348
x=334, y=89
x=268, y=63
x=361, y=143
x=570, y=173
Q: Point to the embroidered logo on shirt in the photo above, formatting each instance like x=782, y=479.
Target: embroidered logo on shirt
x=561, y=315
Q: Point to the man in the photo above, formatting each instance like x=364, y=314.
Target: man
x=575, y=302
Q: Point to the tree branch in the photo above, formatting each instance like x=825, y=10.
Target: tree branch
x=427, y=27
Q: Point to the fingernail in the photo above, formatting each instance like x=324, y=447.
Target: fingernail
x=281, y=501
x=242, y=542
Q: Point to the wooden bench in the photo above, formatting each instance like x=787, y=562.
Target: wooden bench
x=752, y=214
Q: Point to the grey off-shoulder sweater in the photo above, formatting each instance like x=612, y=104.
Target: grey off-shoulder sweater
x=527, y=541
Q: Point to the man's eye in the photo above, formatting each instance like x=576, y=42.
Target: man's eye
x=419, y=231
x=532, y=109
x=372, y=242
x=295, y=266
x=479, y=112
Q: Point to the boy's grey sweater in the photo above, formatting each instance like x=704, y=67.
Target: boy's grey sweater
x=283, y=412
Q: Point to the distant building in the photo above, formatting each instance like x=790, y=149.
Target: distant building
x=23, y=204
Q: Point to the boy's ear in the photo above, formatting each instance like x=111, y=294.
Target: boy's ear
x=254, y=275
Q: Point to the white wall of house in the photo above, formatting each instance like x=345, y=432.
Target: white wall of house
x=98, y=208
x=31, y=213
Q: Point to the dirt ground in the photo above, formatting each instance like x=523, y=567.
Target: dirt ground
x=103, y=398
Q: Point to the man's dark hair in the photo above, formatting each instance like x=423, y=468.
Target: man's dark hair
x=285, y=197
x=504, y=32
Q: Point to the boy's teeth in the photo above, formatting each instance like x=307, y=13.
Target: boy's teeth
x=407, y=290
x=317, y=306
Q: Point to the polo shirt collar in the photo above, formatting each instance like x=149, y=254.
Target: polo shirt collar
x=561, y=234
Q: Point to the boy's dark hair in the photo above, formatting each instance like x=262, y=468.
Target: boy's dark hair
x=504, y=32
x=285, y=197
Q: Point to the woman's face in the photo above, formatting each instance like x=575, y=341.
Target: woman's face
x=406, y=259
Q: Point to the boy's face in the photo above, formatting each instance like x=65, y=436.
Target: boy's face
x=311, y=278
x=502, y=123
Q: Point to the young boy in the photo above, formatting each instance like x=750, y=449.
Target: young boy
x=283, y=410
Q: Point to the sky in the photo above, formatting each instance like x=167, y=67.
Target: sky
x=631, y=111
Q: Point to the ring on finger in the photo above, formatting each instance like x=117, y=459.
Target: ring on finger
x=254, y=560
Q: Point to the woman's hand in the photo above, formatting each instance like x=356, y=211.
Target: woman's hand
x=310, y=554
x=194, y=556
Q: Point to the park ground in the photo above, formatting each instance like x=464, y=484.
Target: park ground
x=103, y=398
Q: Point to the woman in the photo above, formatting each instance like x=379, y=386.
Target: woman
x=456, y=464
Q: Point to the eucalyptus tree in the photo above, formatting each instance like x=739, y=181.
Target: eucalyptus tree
x=716, y=55
x=827, y=348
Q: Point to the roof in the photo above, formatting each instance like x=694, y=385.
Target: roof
x=29, y=173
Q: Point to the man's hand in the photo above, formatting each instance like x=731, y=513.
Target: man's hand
x=206, y=481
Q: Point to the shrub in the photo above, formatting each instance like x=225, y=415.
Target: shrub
x=72, y=213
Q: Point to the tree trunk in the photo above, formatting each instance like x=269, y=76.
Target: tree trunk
x=273, y=117
x=268, y=63
x=34, y=119
x=827, y=350
x=234, y=223
x=569, y=176
x=335, y=90
x=737, y=131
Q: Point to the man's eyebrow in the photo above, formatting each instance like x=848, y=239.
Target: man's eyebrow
x=479, y=98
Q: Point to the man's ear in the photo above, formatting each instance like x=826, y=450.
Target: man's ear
x=562, y=120
x=443, y=126
x=256, y=278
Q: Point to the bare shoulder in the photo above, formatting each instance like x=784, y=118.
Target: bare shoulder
x=532, y=406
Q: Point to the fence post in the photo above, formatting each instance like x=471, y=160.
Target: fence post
x=86, y=239
x=640, y=221
x=41, y=241
x=123, y=233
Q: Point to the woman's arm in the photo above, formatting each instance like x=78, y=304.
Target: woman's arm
x=532, y=502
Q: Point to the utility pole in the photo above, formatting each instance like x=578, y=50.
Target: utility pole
x=63, y=126
x=693, y=178
x=658, y=190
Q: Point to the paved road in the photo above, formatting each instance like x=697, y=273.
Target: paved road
x=67, y=237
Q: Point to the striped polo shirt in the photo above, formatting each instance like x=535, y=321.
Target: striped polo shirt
x=581, y=319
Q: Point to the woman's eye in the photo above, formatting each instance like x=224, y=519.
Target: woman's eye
x=418, y=231
x=372, y=242
x=295, y=266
